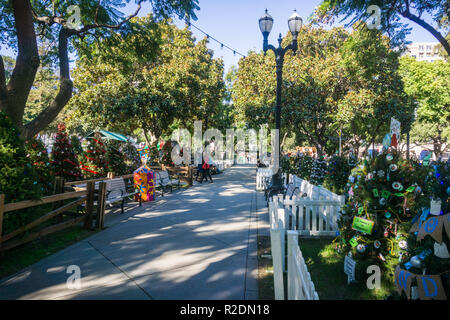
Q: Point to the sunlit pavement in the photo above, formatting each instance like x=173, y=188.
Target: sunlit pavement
x=198, y=243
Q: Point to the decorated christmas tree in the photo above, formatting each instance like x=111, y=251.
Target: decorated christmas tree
x=63, y=158
x=385, y=193
x=318, y=171
x=424, y=271
x=338, y=171
x=77, y=148
x=38, y=156
x=132, y=157
x=305, y=164
x=167, y=154
x=95, y=164
x=115, y=158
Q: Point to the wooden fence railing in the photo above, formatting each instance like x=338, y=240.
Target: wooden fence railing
x=90, y=191
x=86, y=196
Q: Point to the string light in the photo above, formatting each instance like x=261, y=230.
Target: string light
x=222, y=45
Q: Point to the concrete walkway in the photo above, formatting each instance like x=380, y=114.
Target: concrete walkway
x=198, y=243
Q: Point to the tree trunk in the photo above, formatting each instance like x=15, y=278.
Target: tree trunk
x=15, y=93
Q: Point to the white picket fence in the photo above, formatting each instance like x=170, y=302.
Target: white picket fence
x=311, y=211
x=312, y=192
x=299, y=283
x=261, y=174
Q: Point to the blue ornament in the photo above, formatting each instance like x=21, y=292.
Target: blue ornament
x=448, y=191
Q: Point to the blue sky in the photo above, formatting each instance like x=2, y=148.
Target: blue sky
x=235, y=23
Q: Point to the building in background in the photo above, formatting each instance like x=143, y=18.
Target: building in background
x=424, y=51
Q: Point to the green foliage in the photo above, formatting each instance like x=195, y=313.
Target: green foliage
x=428, y=83
x=174, y=80
x=18, y=179
x=391, y=11
x=64, y=159
x=389, y=191
x=336, y=80
x=39, y=158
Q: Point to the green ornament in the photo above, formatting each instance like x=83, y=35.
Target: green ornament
x=410, y=189
x=385, y=194
x=360, y=210
x=353, y=242
x=375, y=193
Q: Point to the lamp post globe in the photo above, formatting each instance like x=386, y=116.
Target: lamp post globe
x=295, y=23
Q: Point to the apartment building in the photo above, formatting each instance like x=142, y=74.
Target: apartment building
x=424, y=51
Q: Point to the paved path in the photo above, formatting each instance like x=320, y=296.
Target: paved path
x=198, y=243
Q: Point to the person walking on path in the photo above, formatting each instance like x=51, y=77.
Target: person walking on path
x=206, y=171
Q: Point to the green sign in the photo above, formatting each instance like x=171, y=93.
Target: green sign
x=375, y=193
x=362, y=225
x=353, y=242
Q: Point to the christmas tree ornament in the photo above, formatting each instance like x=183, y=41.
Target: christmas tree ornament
x=375, y=193
x=381, y=257
x=397, y=186
x=369, y=176
x=403, y=244
x=441, y=251
x=377, y=244
x=386, y=141
x=361, y=248
x=389, y=157
x=393, y=167
x=387, y=214
x=380, y=173
x=435, y=207
x=353, y=242
x=415, y=262
x=382, y=201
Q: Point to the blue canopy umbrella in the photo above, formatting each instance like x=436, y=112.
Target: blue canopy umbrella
x=108, y=135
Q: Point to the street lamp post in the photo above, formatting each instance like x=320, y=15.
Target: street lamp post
x=265, y=25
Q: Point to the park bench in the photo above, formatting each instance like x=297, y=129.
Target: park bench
x=115, y=191
x=163, y=181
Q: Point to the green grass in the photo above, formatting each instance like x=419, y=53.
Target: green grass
x=265, y=270
x=20, y=257
x=326, y=267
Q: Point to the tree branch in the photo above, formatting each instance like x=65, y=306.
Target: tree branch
x=408, y=15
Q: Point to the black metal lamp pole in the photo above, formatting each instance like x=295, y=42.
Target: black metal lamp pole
x=265, y=24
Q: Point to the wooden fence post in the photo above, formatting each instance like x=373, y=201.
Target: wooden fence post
x=190, y=175
x=2, y=207
x=101, y=202
x=89, y=204
x=58, y=188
